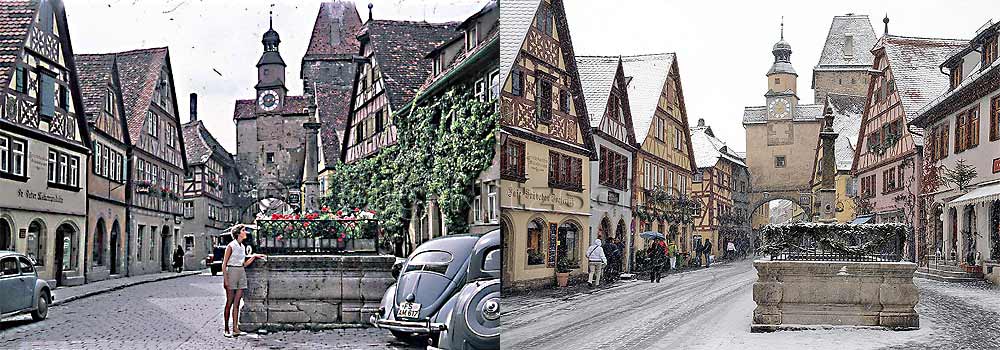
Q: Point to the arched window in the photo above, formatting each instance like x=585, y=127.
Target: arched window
x=6, y=235
x=36, y=242
x=604, y=231
x=536, y=252
x=569, y=234
x=98, y=247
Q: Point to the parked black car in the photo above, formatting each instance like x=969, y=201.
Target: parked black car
x=448, y=291
x=219, y=243
x=21, y=289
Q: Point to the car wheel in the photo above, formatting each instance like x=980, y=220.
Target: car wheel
x=42, y=311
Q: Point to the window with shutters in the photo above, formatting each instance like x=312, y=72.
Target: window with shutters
x=543, y=100
x=989, y=52
x=565, y=172
x=512, y=160
x=46, y=94
x=613, y=169
x=960, y=133
x=543, y=21
x=972, y=127
x=956, y=75
x=563, y=101
x=995, y=118
x=517, y=83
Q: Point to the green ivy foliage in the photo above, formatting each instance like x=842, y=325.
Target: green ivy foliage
x=442, y=146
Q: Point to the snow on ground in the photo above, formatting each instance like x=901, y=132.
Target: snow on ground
x=712, y=309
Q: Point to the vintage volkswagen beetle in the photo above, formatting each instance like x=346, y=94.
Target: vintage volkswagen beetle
x=432, y=284
x=474, y=322
x=21, y=289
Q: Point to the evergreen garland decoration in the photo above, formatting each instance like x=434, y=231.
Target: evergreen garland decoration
x=858, y=241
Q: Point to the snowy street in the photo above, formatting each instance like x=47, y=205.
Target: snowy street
x=712, y=308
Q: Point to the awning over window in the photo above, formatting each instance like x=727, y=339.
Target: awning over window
x=864, y=219
x=979, y=195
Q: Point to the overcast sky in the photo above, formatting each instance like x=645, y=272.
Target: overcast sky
x=224, y=36
x=724, y=47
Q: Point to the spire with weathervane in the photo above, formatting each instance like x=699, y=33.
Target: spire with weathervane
x=781, y=80
x=270, y=86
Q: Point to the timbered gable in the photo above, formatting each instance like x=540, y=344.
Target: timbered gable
x=40, y=90
x=605, y=90
x=906, y=77
x=542, y=96
x=101, y=98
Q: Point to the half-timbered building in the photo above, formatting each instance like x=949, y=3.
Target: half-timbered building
x=43, y=142
x=605, y=89
x=156, y=159
x=717, y=186
x=963, y=124
x=107, y=175
x=467, y=62
x=664, y=160
x=211, y=188
x=545, y=142
x=389, y=74
x=887, y=161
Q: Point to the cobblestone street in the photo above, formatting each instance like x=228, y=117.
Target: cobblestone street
x=181, y=313
x=676, y=314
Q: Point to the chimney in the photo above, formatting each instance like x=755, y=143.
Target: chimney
x=194, y=106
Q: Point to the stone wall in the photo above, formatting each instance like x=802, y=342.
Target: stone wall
x=314, y=292
x=793, y=294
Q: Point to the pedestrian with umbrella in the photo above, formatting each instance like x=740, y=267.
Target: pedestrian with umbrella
x=656, y=255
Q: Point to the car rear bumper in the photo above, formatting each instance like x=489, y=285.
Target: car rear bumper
x=424, y=327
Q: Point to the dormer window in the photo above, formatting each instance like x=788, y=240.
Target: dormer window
x=956, y=74
x=472, y=36
x=109, y=100
x=437, y=66
x=989, y=52
x=848, y=46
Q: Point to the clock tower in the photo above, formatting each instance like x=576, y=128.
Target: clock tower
x=270, y=86
x=781, y=82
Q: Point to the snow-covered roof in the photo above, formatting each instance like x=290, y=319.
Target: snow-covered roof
x=708, y=149
x=915, y=68
x=803, y=113
x=597, y=75
x=836, y=52
x=847, y=112
x=515, y=20
x=648, y=73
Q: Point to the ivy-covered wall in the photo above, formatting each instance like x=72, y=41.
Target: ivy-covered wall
x=442, y=147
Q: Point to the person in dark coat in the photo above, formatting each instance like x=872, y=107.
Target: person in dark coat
x=707, y=249
x=698, y=250
x=614, y=261
x=656, y=258
x=178, y=259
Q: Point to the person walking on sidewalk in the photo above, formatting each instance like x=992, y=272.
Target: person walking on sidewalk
x=698, y=250
x=234, y=278
x=731, y=250
x=707, y=249
x=656, y=258
x=614, y=261
x=672, y=250
x=179, y=259
x=597, y=260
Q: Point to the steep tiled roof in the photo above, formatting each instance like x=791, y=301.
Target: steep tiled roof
x=200, y=144
x=515, y=19
x=803, y=113
x=399, y=48
x=335, y=31
x=16, y=17
x=847, y=111
x=597, y=75
x=648, y=73
x=138, y=72
x=244, y=109
x=94, y=73
x=915, y=68
x=708, y=149
x=333, y=107
x=834, y=56
x=972, y=81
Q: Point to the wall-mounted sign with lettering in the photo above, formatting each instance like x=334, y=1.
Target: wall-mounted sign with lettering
x=996, y=165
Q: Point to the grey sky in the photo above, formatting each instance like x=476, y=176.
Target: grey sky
x=205, y=36
x=724, y=47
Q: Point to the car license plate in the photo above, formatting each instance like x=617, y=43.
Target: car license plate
x=408, y=310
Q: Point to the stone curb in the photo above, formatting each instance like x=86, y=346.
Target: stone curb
x=117, y=287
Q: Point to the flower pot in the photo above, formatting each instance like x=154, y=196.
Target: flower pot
x=562, y=279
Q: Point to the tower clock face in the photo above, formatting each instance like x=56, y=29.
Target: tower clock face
x=268, y=100
x=779, y=108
